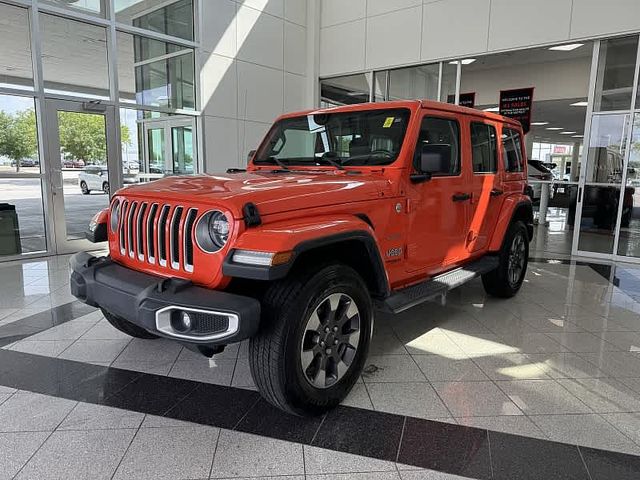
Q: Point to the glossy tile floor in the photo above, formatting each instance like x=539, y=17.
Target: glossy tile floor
x=560, y=362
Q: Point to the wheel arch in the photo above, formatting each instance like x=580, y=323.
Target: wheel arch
x=515, y=208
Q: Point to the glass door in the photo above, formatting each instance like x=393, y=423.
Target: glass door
x=82, y=168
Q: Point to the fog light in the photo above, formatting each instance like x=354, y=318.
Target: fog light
x=181, y=321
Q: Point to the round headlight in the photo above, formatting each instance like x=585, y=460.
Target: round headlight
x=219, y=229
x=115, y=215
x=212, y=231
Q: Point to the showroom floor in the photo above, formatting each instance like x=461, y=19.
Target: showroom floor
x=481, y=388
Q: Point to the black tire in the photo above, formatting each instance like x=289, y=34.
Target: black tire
x=105, y=187
x=276, y=353
x=506, y=280
x=127, y=327
x=84, y=188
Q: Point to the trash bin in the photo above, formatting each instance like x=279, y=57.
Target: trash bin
x=9, y=230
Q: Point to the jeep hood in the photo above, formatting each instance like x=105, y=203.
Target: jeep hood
x=270, y=192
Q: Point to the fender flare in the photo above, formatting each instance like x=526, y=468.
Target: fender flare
x=510, y=208
x=302, y=237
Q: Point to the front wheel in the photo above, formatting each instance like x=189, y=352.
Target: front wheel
x=84, y=188
x=506, y=280
x=105, y=187
x=313, y=341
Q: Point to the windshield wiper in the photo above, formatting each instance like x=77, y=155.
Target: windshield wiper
x=280, y=163
x=328, y=157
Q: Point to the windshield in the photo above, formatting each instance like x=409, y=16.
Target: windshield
x=362, y=138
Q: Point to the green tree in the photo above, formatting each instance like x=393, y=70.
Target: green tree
x=18, y=137
x=82, y=136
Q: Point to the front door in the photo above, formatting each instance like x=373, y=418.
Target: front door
x=485, y=185
x=82, y=168
x=439, y=207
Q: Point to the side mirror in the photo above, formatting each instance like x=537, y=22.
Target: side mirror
x=433, y=158
x=250, y=156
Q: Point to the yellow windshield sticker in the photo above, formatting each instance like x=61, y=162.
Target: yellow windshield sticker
x=388, y=122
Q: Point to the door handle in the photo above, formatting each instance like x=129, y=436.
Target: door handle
x=496, y=192
x=461, y=197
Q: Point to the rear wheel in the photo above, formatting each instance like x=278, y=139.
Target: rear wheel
x=127, y=327
x=84, y=188
x=506, y=280
x=313, y=341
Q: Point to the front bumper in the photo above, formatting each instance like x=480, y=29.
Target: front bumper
x=144, y=300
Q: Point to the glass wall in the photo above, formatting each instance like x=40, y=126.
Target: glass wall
x=153, y=112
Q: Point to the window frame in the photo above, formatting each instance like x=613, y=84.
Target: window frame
x=416, y=151
x=521, y=159
x=496, y=156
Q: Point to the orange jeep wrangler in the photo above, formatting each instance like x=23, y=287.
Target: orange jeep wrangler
x=340, y=212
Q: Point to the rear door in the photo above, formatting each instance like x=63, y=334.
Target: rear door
x=486, y=183
x=438, y=208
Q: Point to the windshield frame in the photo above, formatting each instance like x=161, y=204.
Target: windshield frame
x=321, y=162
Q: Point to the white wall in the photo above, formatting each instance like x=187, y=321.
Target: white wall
x=357, y=35
x=254, y=66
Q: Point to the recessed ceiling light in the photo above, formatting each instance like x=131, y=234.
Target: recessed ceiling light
x=492, y=109
x=580, y=104
x=554, y=128
x=539, y=124
x=464, y=61
x=567, y=133
x=577, y=136
x=567, y=48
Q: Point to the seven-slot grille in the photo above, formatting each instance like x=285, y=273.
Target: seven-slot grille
x=157, y=233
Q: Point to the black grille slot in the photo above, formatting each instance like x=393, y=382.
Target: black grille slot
x=139, y=230
x=151, y=251
x=174, y=240
x=208, y=323
x=162, y=235
x=121, y=231
x=131, y=227
x=188, y=239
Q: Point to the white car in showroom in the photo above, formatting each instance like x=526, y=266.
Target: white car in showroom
x=96, y=177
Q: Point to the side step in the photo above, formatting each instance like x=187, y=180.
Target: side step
x=401, y=300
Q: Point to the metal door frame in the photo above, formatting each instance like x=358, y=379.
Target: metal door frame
x=575, y=251
x=56, y=210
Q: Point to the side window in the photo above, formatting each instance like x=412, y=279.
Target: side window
x=512, y=150
x=440, y=131
x=483, y=148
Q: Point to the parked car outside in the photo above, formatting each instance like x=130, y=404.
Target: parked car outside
x=96, y=177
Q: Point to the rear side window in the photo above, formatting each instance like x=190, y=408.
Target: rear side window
x=512, y=150
x=483, y=147
x=441, y=131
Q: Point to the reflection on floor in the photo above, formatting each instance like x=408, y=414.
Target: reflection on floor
x=560, y=361
x=554, y=239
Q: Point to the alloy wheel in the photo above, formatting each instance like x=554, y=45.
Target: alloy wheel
x=330, y=340
x=517, y=258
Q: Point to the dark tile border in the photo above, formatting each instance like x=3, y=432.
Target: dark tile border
x=445, y=447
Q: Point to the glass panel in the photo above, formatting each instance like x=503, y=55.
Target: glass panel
x=415, y=83
x=629, y=242
x=616, y=68
x=483, y=148
x=598, y=222
x=15, y=48
x=170, y=18
x=74, y=57
x=85, y=176
x=345, y=90
x=91, y=7
x=449, y=75
x=380, y=86
x=156, y=145
x=18, y=136
x=182, y=149
x=605, y=156
x=21, y=216
x=155, y=73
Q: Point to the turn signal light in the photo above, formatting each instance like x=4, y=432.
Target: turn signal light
x=263, y=259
